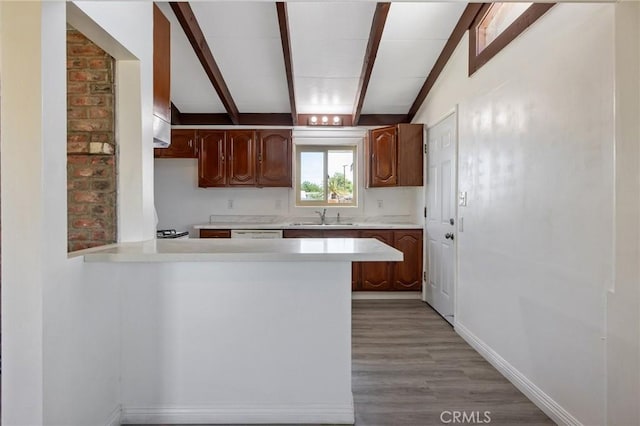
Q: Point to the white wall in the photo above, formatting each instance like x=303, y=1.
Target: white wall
x=60, y=317
x=623, y=304
x=536, y=141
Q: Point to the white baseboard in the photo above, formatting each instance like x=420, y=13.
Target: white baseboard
x=317, y=413
x=115, y=417
x=550, y=407
x=389, y=295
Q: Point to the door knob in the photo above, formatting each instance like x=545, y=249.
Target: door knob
x=451, y=222
x=448, y=236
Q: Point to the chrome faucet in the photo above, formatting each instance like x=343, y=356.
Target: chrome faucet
x=323, y=215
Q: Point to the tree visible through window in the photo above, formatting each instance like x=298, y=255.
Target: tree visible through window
x=326, y=175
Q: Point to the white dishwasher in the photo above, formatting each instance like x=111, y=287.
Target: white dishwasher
x=256, y=234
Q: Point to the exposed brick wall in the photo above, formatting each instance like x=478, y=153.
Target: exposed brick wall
x=91, y=153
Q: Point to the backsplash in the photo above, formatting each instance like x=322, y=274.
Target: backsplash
x=181, y=204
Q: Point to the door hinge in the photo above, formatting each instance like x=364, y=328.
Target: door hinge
x=425, y=148
x=424, y=276
x=425, y=212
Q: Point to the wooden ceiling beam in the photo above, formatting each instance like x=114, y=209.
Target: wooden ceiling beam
x=464, y=23
x=196, y=37
x=375, y=35
x=285, y=38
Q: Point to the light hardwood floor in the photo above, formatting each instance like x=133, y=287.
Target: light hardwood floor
x=409, y=366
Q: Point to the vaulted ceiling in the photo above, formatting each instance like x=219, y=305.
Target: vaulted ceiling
x=273, y=63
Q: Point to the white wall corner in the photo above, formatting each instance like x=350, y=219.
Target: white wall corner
x=543, y=401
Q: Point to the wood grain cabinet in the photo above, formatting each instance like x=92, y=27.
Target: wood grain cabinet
x=395, y=156
x=161, y=65
x=407, y=275
x=244, y=158
x=377, y=276
x=215, y=233
x=183, y=145
x=355, y=266
x=212, y=169
x=302, y=233
x=241, y=157
x=274, y=158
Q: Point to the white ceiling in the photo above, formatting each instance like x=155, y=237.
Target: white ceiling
x=328, y=43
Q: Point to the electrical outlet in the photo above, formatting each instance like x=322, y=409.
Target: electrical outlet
x=230, y=204
x=380, y=204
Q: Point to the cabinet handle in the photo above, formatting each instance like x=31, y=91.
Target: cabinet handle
x=190, y=143
x=259, y=157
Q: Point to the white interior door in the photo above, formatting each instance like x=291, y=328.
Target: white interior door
x=440, y=226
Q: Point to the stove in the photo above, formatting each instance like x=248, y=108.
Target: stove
x=171, y=234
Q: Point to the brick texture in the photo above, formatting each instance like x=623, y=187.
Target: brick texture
x=91, y=150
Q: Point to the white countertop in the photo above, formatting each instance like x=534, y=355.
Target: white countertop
x=248, y=250
x=356, y=226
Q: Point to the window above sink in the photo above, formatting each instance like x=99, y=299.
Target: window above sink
x=326, y=175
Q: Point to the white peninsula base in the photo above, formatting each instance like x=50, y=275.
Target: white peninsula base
x=239, y=341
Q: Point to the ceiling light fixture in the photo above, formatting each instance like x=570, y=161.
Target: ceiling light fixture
x=325, y=120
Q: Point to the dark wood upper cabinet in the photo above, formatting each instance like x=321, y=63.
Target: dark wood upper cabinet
x=395, y=156
x=244, y=158
x=410, y=154
x=241, y=161
x=376, y=276
x=274, y=158
x=408, y=274
x=161, y=65
x=183, y=145
x=383, y=157
x=212, y=158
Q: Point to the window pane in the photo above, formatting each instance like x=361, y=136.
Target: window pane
x=498, y=19
x=311, y=176
x=341, y=169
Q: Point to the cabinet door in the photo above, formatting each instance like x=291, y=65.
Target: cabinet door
x=241, y=164
x=161, y=65
x=355, y=266
x=383, y=157
x=211, y=159
x=302, y=233
x=376, y=276
x=183, y=145
x=407, y=275
x=410, y=154
x=274, y=158
x=215, y=233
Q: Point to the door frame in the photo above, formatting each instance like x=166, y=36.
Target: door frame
x=456, y=257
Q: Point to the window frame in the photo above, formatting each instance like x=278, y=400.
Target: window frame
x=524, y=21
x=325, y=149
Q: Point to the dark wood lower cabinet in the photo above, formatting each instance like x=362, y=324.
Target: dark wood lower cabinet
x=215, y=233
x=355, y=266
x=379, y=276
x=302, y=233
x=408, y=274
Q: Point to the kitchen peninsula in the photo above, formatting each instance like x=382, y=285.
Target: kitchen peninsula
x=238, y=331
